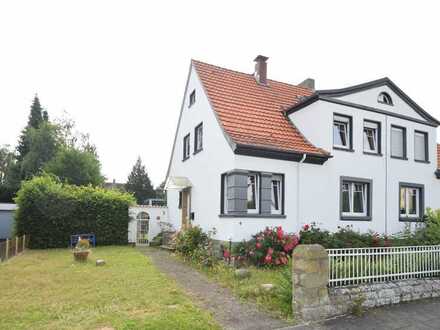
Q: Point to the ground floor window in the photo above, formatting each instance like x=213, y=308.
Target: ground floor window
x=355, y=197
x=411, y=200
x=252, y=193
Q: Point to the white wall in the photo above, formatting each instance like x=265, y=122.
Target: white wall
x=157, y=215
x=204, y=168
x=318, y=197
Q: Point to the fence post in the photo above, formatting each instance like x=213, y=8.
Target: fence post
x=24, y=241
x=16, y=245
x=310, y=277
x=7, y=248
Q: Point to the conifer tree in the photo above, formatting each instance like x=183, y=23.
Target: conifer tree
x=139, y=183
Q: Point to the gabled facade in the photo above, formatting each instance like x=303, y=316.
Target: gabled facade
x=250, y=152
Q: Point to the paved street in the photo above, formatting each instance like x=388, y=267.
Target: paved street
x=420, y=315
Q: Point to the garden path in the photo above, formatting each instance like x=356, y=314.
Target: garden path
x=228, y=311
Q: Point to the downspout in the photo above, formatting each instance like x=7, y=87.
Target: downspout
x=386, y=174
x=297, y=187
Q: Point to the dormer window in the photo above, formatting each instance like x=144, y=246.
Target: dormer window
x=385, y=98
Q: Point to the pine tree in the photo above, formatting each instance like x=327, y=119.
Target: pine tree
x=139, y=183
x=36, y=117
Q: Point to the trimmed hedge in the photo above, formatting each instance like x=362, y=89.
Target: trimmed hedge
x=51, y=212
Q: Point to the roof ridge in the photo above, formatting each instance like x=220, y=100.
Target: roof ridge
x=250, y=74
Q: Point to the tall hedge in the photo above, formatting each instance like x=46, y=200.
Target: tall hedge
x=51, y=212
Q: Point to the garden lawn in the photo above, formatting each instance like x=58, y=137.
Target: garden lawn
x=45, y=289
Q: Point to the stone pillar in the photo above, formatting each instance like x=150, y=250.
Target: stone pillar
x=310, y=278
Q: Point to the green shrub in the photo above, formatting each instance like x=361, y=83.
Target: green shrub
x=51, y=212
x=196, y=245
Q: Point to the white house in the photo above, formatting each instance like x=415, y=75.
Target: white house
x=251, y=152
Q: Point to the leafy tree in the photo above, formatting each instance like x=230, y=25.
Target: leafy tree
x=44, y=143
x=76, y=167
x=139, y=183
x=7, y=159
x=37, y=116
x=160, y=191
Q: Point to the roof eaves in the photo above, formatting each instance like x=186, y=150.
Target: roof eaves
x=273, y=153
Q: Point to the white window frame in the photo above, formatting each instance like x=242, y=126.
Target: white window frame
x=278, y=182
x=351, y=184
x=374, y=127
x=257, y=193
x=338, y=122
x=407, y=192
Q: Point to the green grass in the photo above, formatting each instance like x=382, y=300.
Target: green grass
x=278, y=302
x=45, y=289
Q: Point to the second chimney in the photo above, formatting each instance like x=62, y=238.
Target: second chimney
x=261, y=69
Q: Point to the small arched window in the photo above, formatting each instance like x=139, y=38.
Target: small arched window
x=143, y=216
x=385, y=98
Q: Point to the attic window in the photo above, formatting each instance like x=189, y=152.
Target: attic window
x=192, y=98
x=385, y=98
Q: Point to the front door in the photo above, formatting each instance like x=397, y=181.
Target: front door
x=186, y=200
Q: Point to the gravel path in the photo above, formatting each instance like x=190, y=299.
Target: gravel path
x=229, y=312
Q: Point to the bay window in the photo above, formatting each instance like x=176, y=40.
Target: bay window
x=355, y=199
x=276, y=194
x=252, y=193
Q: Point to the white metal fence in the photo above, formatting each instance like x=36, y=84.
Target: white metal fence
x=371, y=265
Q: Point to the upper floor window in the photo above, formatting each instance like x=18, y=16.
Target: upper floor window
x=355, y=198
x=186, y=147
x=192, y=98
x=398, y=142
x=385, y=98
x=342, y=126
x=198, y=138
x=253, y=193
x=421, y=146
x=411, y=199
x=371, y=137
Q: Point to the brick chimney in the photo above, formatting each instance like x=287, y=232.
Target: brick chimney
x=260, y=73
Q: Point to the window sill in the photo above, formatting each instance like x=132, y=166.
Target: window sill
x=409, y=219
x=343, y=149
x=422, y=161
x=186, y=158
x=373, y=153
x=401, y=158
x=255, y=215
x=197, y=151
x=355, y=218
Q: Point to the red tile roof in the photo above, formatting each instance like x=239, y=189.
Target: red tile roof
x=438, y=156
x=252, y=114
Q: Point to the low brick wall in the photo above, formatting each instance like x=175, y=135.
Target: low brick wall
x=313, y=300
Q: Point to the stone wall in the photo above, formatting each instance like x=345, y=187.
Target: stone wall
x=313, y=300
x=380, y=294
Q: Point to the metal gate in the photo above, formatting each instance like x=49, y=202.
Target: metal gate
x=143, y=220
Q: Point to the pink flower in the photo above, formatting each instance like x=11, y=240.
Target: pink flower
x=226, y=254
x=268, y=259
x=306, y=227
x=269, y=251
x=280, y=233
x=258, y=245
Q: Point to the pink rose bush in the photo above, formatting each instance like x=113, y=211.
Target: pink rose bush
x=270, y=247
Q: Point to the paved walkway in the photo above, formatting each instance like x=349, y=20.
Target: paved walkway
x=229, y=312
x=420, y=315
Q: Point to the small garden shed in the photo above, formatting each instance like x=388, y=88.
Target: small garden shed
x=146, y=223
x=6, y=220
